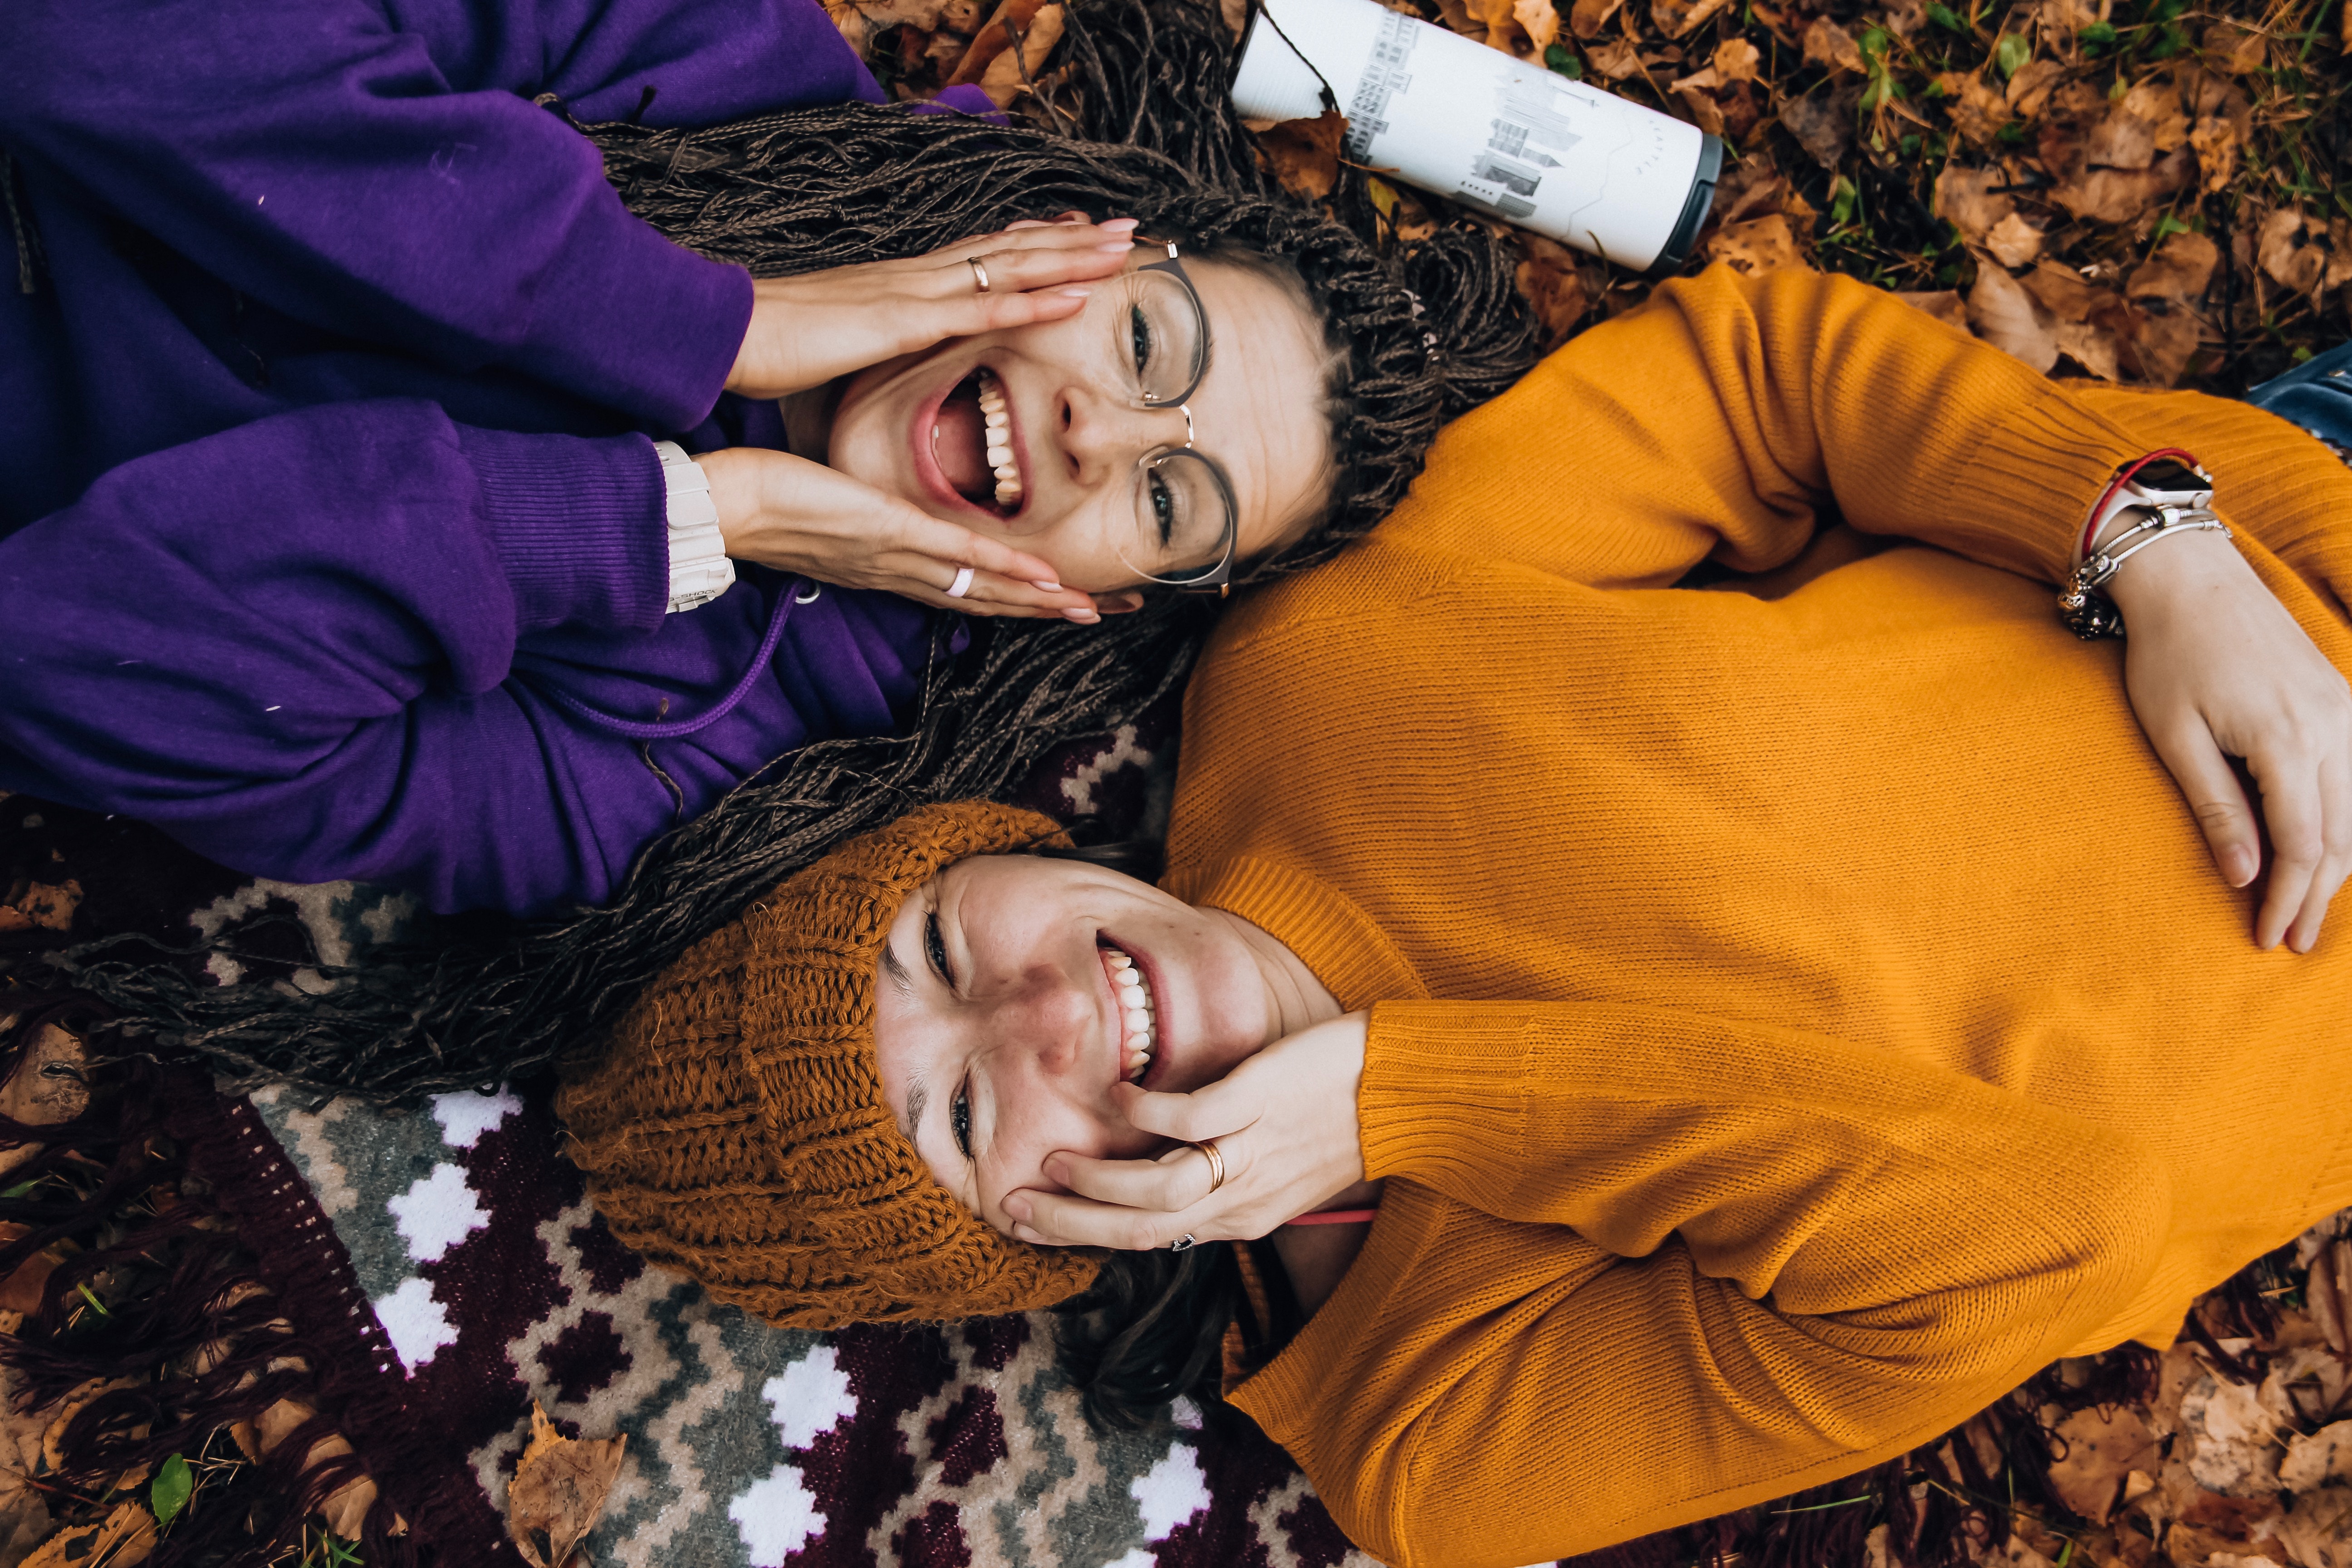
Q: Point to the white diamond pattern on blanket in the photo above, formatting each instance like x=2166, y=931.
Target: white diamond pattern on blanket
x=466, y=1115
x=437, y=1214
x=809, y=1398
x=418, y=1324
x=1170, y=1492
x=776, y=1517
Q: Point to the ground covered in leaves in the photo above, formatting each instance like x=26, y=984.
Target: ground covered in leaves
x=2150, y=192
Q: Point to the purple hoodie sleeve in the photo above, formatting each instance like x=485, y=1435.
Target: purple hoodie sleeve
x=284, y=643
x=387, y=176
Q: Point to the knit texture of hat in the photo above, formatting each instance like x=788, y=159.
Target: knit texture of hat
x=734, y=1128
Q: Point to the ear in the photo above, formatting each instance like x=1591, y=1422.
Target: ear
x=1125, y=602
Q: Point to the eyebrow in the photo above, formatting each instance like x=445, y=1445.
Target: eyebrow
x=919, y=1093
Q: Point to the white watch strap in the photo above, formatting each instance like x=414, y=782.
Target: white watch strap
x=698, y=568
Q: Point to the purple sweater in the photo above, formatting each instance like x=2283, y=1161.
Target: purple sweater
x=331, y=538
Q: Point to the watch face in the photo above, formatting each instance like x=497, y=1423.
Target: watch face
x=2169, y=474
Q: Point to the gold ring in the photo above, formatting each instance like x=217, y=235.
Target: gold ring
x=1216, y=1162
x=979, y=273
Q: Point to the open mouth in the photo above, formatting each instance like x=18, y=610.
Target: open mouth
x=971, y=441
x=1140, y=1041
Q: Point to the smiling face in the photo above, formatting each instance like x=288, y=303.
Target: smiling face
x=1016, y=990
x=1055, y=405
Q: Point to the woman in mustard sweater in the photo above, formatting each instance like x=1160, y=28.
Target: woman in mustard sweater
x=1768, y=1024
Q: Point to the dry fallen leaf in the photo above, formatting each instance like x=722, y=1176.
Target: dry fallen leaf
x=1966, y=198
x=1827, y=44
x=1554, y=286
x=1977, y=109
x=2103, y=1447
x=1944, y=304
x=1538, y=20
x=1008, y=76
x=1759, y=245
x=1697, y=97
x=2031, y=87
x=1736, y=59
x=1590, y=16
x=1305, y=154
x=994, y=38
x=1615, y=58
x=50, y=1084
x=2121, y=195
x=2180, y=270
x=40, y=906
x=2316, y=1460
x=559, y=1490
x=2294, y=265
x=1822, y=125
x=2235, y=47
x=2009, y=319
x=1677, y=18
x=2014, y=241
x=2329, y=1293
x=123, y=1538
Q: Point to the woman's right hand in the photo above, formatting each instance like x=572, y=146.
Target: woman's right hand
x=808, y=329
x=802, y=517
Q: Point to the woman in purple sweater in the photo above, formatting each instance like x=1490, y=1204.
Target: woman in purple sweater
x=334, y=535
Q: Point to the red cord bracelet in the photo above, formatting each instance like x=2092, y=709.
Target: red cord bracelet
x=2124, y=476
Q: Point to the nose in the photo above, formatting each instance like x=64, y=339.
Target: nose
x=1101, y=436
x=1043, y=1026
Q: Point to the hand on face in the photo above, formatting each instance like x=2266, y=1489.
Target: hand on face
x=797, y=516
x=2216, y=669
x=1285, y=1125
x=814, y=328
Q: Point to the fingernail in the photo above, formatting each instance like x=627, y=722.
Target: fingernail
x=1121, y=224
x=1022, y=1233
x=2238, y=865
x=1083, y=618
x=1075, y=293
x=1044, y=586
x=1017, y=1206
x=1116, y=247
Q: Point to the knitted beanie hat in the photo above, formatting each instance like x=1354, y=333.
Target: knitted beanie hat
x=734, y=1127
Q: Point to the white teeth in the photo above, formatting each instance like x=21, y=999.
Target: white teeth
x=1141, y=1035
x=997, y=416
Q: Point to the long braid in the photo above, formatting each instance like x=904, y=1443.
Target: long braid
x=1416, y=335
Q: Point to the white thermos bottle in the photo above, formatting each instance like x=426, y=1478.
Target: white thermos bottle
x=1449, y=115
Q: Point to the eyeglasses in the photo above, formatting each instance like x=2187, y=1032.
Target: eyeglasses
x=1185, y=505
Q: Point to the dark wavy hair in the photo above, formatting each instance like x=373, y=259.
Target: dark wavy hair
x=1418, y=332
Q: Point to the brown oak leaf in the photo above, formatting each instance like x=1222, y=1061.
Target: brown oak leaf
x=2103, y=1447
x=1677, y=18
x=1978, y=111
x=2294, y=265
x=2121, y=195
x=559, y=1490
x=1827, y=44
x=1760, y=245
x=2180, y=270
x=1305, y=154
x=1008, y=76
x=40, y=906
x=1590, y=16
x=1736, y=59
x=125, y=1538
x=1966, y=199
x=2014, y=241
x=2012, y=320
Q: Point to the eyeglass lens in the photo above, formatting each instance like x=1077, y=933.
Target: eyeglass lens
x=1184, y=517
x=1162, y=336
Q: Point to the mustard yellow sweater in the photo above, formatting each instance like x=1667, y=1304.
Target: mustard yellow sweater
x=1794, y=1021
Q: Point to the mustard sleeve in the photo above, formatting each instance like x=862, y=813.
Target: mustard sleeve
x=1639, y=1268
x=1729, y=415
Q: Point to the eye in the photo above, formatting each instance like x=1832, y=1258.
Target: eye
x=959, y=1119
x=935, y=949
x=1140, y=338
x=1161, y=497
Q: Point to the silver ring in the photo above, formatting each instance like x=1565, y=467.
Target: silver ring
x=979, y=273
x=1216, y=1162
x=962, y=584
x=1182, y=1244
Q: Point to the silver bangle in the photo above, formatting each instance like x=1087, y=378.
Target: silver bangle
x=2091, y=615
x=698, y=568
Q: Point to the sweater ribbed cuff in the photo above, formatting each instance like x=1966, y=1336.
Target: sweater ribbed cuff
x=580, y=526
x=2033, y=478
x=630, y=319
x=1436, y=1101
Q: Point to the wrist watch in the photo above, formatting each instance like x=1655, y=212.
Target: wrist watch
x=2153, y=499
x=698, y=568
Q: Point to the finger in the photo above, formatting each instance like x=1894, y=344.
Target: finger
x=988, y=594
x=2216, y=798
x=2335, y=805
x=1064, y=1219
x=1218, y=1110
x=1176, y=1180
x=2290, y=785
x=1070, y=228
x=918, y=589
x=954, y=545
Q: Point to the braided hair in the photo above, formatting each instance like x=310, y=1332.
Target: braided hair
x=1416, y=333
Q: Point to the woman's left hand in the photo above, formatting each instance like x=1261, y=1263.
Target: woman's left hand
x=2216, y=669
x=1284, y=1122
x=807, y=330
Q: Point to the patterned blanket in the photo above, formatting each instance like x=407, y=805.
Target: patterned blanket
x=451, y=1263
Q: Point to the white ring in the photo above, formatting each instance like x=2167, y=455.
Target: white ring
x=962, y=584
